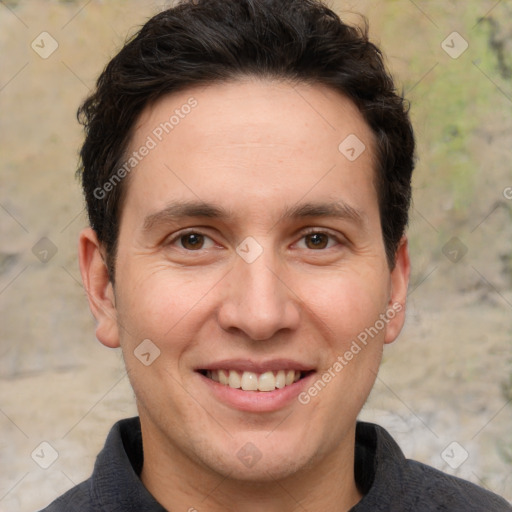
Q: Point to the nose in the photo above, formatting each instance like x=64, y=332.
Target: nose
x=257, y=301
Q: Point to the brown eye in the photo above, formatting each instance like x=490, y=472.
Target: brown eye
x=317, y=241
x=192, y=241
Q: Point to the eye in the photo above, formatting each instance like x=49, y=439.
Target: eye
x=317, y=240
x=192, y=241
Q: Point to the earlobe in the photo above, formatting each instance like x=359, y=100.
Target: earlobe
x=399, y=285
x=98, y=287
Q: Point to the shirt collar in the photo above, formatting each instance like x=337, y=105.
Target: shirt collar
x=379, y=468
x=116, y=484
x=115, y=481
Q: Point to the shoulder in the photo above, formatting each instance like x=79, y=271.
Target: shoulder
x=114, y=479
x=389, y=481
x=434, y=490
x=77, y=499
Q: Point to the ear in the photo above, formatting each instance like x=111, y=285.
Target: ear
x=399, y=284
x=98, y=287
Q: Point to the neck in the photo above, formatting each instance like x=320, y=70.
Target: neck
x=178, y=483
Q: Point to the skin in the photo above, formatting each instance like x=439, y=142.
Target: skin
x=254, y=148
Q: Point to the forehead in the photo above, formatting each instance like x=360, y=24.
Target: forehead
x=254, y=139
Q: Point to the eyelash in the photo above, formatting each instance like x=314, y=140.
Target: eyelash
x=309, y=231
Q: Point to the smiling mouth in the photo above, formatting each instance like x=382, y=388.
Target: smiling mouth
x=251, y=381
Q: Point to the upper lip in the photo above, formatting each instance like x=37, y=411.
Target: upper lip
x=249, y=365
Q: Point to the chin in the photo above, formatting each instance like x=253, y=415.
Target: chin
x=265, y=470
x=253, y=459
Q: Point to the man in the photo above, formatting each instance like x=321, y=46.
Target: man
x=247, y=169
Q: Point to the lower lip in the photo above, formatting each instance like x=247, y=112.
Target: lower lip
x=257, y=401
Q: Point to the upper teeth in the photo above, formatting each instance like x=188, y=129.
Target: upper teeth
x=250, y=381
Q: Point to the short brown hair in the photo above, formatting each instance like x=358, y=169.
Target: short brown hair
x=212, y=41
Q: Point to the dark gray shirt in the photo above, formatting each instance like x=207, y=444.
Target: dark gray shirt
x=389, y=481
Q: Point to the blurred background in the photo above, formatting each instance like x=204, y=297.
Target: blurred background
x=445, y=387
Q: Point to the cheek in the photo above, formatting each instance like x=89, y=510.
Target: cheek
x=158, y=303
x=166, y=308
x=348, y=302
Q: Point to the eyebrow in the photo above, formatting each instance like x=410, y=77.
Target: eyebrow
x=190, y=209
x=336, y=209
x=180, y=210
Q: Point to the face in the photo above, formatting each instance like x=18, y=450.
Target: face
x=250, y=254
